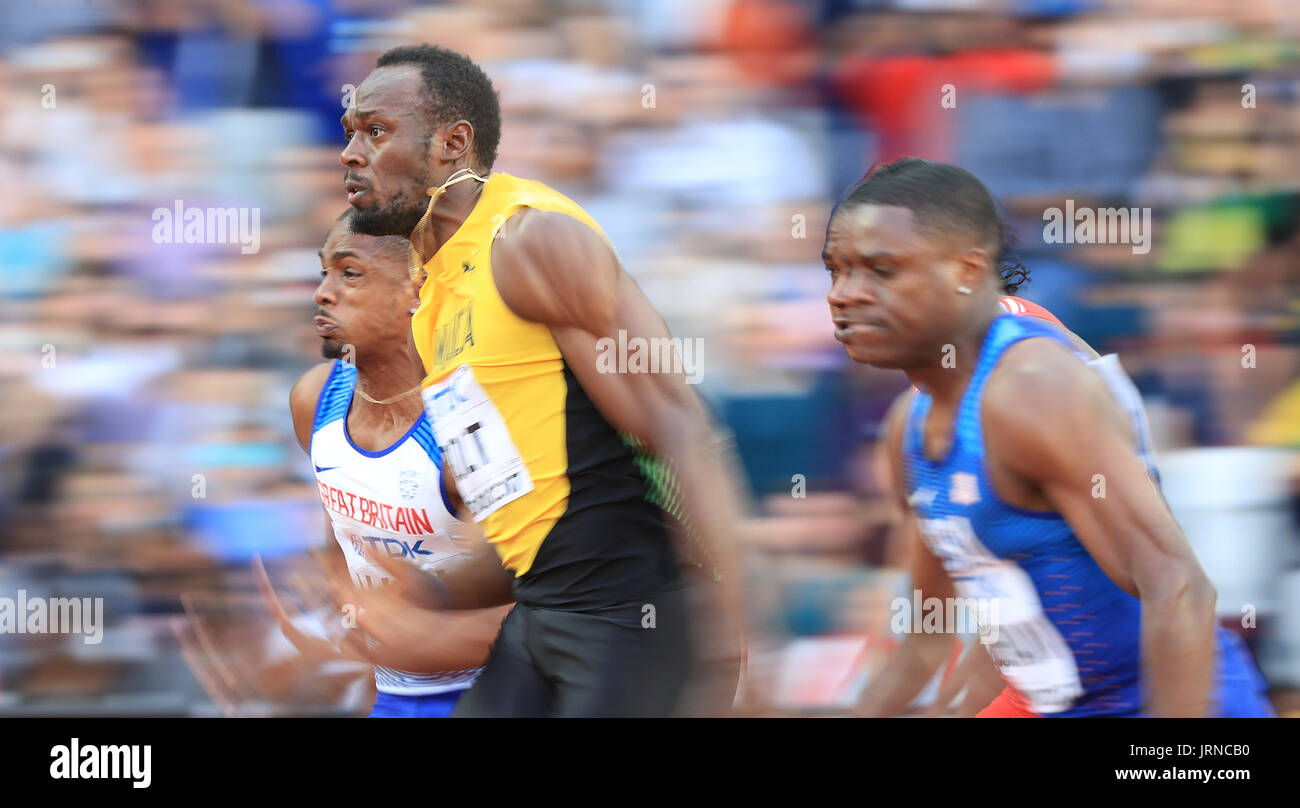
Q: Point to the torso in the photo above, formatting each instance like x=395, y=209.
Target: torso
x=567, y=501
x=1068, y=637
x=389, y=500
x=1010, y=487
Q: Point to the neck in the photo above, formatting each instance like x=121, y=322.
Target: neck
x=449, y=213
x=382, y=378
x=946, y=379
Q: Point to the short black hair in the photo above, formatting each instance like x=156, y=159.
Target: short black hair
x=944, y=199
x=454, y=89
x=394, y=248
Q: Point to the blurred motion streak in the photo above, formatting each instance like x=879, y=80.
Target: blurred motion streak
x=146, y=452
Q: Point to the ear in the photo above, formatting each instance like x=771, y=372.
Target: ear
x=974, y=268
x=410, y=294
x=456, y=142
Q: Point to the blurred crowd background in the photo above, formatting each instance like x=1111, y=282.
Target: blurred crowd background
x=146, y=450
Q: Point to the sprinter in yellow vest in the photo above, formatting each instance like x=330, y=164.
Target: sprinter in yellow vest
x=567, y=467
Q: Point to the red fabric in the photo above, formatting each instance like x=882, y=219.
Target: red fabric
x=899, y=96
x=1018, y=305
x=767, y=38
x=1001, y=70
x=888, y=93
x=1008, y=704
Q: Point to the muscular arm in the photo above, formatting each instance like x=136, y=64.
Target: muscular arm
x=1077, y=431
x=302, y=404
x=464, y=638
x=920, y=654
x=555, y=270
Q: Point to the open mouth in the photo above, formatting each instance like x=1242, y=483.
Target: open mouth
x=354, y=189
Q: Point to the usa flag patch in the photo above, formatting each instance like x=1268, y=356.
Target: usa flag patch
x=965, y=489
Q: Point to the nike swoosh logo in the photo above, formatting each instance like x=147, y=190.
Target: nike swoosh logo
x=327, y=468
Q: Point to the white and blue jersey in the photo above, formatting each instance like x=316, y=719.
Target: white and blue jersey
x=391, y=501
x=1063, y=634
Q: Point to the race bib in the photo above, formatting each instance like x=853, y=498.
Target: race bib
x=1028, y=650
x=475, y=444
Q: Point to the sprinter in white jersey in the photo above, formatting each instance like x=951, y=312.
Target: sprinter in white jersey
x=379, y=474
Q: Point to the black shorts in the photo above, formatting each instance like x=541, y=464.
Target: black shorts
x=630, y=660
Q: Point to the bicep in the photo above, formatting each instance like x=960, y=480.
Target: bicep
x=647, y=405
x=1078, y=450
x=556, y=270
x=1111, y=505
x=302, y=401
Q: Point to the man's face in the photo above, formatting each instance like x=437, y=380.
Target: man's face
x=388, y=156
x=891, y=297
x=364, y=297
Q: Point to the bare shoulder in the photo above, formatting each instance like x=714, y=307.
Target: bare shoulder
x=1040, y=400
x=303, y=397
x=555, y=269
x=1037, y=376
x=307, y=389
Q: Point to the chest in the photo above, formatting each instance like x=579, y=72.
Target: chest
x=398, y=489
x=937, y=431
x=941, y=443
x=966, y=522
x=463, y=321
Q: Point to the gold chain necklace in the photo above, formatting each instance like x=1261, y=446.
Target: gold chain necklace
x=387, y=400
x=417, y=235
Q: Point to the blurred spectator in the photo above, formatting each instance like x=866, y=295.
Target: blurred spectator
x=145, y=441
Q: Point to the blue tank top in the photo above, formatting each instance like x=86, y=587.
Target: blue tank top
x=1060, y=630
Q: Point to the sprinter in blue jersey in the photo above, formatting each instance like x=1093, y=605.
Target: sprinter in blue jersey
x=1024, y=471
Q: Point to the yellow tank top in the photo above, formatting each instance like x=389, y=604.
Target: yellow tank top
x=518, y=431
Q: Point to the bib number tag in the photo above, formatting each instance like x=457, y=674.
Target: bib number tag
x=1029, y=652
x=475, y=444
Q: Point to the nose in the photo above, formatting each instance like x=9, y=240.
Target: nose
x=353, y=155
x=324, y=294
x=850, y=289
